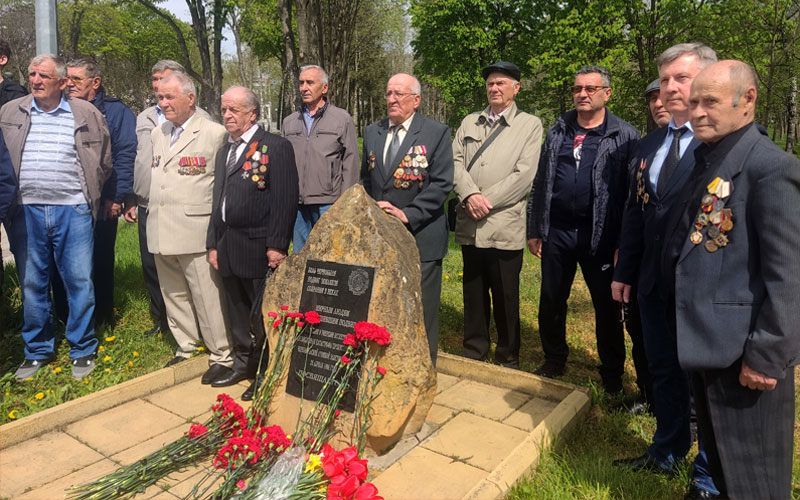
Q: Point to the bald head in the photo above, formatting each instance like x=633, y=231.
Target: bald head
x=722, y=100
x=240, y=110
x=402, y=97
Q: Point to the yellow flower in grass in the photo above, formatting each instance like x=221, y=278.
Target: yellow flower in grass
x=12, y=414
x=49, y=391
x=108, y=370
x=8, y=393
x=110, y=339
x=135, y=354
x=39, y=395
x=107, y=358
x=201, y=349
x=130, y=364
x=86, y=381
x=314, y=463
x=101, y=348
x=57, y=369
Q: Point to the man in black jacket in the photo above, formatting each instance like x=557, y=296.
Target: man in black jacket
x=574, y=217
x=9, y=89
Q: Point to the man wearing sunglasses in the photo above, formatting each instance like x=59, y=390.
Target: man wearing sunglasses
x=574, y=218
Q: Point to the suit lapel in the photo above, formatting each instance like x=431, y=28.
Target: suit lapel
x=684, y=169
x=409, y=140
x=650, y=156
x=381, y=132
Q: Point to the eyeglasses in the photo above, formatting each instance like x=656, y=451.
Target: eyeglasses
x=76, y=79
x=590, y=89
x=398, y=95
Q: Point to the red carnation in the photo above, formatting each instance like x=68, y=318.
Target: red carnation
x=345, y=360
x=284, y=308
x=381, y=371
x=276, y=324
x=300, y=324
x=197, y=430
x=350, y=340
x=272, y=314
x=312, y=317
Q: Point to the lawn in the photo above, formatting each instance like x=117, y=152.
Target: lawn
x=578, y=468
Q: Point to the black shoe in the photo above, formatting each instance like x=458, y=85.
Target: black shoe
x=550, y=369
x=643, y=463
x=613, y=388
x=174, y=361
x=248, y=394
x=153, y=331
x=696, y=493
x=216, y=371
x=230, y=378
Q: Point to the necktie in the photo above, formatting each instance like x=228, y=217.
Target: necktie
x=394, y=146
x=176, y=134
x=232, y=155
x=671, y=161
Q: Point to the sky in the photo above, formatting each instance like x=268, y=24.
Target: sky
x=181, y=11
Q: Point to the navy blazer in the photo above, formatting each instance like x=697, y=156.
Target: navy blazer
x=739, y=301
x=422, y=204
x=255, y=219
x=643, y=223
x=8, y=181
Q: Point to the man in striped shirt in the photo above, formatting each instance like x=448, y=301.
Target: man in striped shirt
x=61, y=153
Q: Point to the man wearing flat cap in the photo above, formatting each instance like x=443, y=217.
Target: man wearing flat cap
x=495, y=154
x=575, y=216
x=657, y=110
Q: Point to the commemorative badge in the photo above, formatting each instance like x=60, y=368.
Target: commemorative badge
x=191, y=165
x=371, y=161
x=641, y=186
x=156, y=161
x=713, y=218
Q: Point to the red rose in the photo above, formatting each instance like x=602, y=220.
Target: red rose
x=381, y=371
x=312, y=317
x=345, y=360
x=350, y=340
x=367, y=491
x=272, y=314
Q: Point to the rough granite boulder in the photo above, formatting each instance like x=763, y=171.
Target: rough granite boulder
x=356, y=231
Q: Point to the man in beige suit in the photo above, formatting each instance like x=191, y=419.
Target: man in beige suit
x=181, y=191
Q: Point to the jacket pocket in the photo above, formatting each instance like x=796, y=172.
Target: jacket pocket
x=197, y=209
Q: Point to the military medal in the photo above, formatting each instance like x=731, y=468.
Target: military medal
x=262, y=168
x=696, y=237
x=156, y=161
x=711, y=246
x=254, y=178
x=371, y=161
x=714, y=215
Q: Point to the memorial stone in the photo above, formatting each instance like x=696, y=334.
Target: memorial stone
x=353, y=238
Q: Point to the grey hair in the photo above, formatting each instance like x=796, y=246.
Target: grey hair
x=168, y=64
x=61, y=66
x=704, y=54
x=250, y=99
x=323, y=75
x=89, y=65
x=605, y=75
x=186, y=84
x=743, y=76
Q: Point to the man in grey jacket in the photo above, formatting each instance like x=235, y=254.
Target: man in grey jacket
x=325, y=150
x=61, y=151
x=492, y=183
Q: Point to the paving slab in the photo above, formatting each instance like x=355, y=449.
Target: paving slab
x=57, y=488
x=134, y=453
x=485, y=400
x=42, y=460
x=444, y=382
x=530, y=414
x=190, y=399
x=125, y=426
x=439, y=414
x=424, y=474
x=478, y=441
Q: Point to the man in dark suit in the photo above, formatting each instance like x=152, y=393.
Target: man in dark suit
x=407, y=168
x=731, y=246
x=255, y=203
x=663, y=164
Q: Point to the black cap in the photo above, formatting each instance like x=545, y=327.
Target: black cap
x=654, y=85
x=506, y=67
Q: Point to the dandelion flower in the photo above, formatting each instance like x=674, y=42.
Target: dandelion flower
x=39, y=395
x=135, y=354
x=108, y=370
x=110, y=339
x=12, y=414
x=57, y=369
x=130, y=363
x=201, y=348
x=86, y=381
x=101, y=348
x=107, y=358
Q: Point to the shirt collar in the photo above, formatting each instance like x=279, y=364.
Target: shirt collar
x=406, y=124
x=247, y=136
x=63, y=105
x=186, y=123
x=672, y=125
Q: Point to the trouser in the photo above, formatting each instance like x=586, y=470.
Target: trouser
x=105, y=238
x=563, y=251
x=49, y=239
x=748, y=433
x=497, y=271
x=431, y=298
x=633, y=325
x=307, y=216
x=246, y=324
x=192, y=291
x=158, y=310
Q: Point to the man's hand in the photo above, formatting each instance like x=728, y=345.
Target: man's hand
x=111, y=210
x=275, y=257
x=393, y=211
x=212, y=258
x=756, y=380
x=477, y=206
x=535, y=246
x=621, y=292
x=130, y=214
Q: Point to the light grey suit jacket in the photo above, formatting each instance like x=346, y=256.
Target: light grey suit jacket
x=180, y=195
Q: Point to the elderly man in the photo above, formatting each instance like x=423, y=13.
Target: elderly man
x=255, y=203
x=61, y=153
x=731, y=248
x=665, y=160
x=147, y=120
x=325, y=149
x=407, y=168
x=86, y=82
x=658, y=111
x=574, y=217
x=179, y=213
x=495, y=153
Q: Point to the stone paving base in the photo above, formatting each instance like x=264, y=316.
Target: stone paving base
x=487, y=427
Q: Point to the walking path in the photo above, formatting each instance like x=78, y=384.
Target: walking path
x=486, y=428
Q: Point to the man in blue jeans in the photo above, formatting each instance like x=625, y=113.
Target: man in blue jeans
x=61, y=152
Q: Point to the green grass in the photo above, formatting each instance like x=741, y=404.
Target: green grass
x=578, y=467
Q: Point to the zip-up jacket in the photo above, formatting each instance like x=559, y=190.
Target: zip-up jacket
x=122, y=127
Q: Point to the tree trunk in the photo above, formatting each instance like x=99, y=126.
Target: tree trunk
x=310, y=46
x=289, y=57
